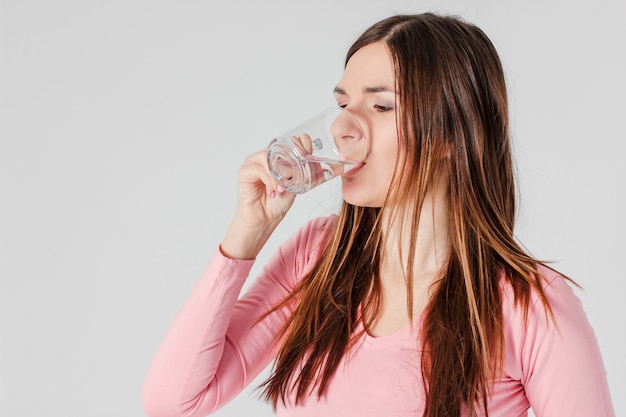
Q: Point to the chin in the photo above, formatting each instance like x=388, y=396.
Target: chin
x=361, y=196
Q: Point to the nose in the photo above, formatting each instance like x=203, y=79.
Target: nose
x=346, y=127
x=349, y=137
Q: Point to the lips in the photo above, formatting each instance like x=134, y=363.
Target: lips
x=353, y=169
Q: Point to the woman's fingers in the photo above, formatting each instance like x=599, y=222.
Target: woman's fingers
x=304, y=143
x=260, y=208
x=255, y=171
x=260, y=196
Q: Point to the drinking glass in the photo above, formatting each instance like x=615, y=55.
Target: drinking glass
x=324, y=147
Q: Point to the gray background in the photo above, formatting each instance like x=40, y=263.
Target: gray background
x=123, y=124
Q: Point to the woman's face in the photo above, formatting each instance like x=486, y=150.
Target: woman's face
x=367, y=90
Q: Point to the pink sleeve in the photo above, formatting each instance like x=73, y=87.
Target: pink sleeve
x=213, y=349
x=563, y=371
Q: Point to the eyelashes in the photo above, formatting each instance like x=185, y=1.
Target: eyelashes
x=378, y=107
x=382, y=109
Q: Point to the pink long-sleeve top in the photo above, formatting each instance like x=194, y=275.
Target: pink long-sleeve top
x=214, y=348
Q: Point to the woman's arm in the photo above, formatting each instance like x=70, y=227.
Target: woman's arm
x=214, y=347
x=564, y=374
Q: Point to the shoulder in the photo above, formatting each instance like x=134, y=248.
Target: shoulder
x=556, y=320
x=551, y=332
x=553, y=351
x=312, y=238
x=558, y=291
x=316, y=231
x=297, y=255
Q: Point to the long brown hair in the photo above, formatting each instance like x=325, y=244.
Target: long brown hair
x=452, y=101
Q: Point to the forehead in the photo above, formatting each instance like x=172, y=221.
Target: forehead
x=370, y=65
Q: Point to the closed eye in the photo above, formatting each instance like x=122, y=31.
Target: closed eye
x=382, y=109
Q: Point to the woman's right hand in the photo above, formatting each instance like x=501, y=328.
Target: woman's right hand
x=261, y=205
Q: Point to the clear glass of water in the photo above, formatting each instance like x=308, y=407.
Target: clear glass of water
x=320, y=149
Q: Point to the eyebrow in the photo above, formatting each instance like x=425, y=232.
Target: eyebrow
x=367, y=90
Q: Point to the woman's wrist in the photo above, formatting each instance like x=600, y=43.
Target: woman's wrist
x=245, y=242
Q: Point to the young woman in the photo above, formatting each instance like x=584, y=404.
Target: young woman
x=415, y=300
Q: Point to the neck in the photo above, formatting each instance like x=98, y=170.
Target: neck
x=430, y=242
x=412, y=261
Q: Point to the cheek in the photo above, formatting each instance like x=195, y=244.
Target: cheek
x=388, y=148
